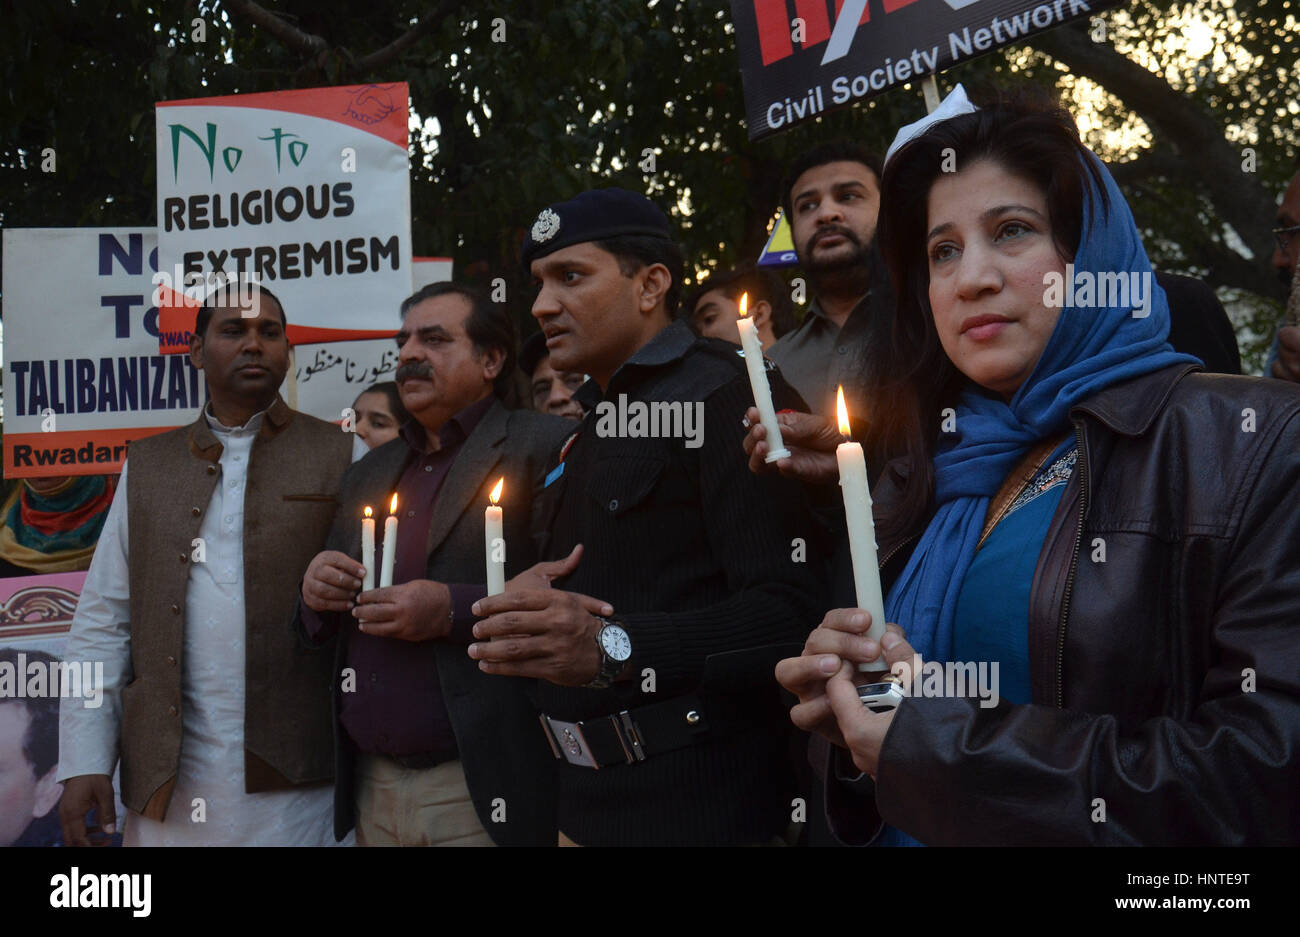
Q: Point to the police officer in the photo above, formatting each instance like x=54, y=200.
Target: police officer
x=664, y=715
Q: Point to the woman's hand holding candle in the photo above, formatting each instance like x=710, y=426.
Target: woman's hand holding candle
x=825, y=679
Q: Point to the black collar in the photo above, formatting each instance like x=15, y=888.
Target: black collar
x=669, y=345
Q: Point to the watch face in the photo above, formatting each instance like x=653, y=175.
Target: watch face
x=615, y=642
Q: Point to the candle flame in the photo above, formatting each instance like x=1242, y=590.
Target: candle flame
x=744, y=304
x=392, y=505
x=367, y=511
x=842, y=411
x=496, y=490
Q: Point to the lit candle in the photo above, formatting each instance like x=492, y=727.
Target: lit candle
x=390, y=545
x=494, y=542
x=862, y=530
x=758, y=382
x=368, y=549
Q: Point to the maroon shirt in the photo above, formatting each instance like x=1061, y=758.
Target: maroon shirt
x=397, y=707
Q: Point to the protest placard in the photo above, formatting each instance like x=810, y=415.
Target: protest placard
x=803, y=58
x=83, y=374
x=306, y=191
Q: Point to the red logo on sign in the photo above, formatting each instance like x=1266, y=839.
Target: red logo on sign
x=774, y=23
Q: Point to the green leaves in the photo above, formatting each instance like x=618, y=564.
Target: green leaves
x=569, y=100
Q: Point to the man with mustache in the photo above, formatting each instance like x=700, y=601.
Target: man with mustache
x=429, y=751
x=831, y=198
x=209, y=699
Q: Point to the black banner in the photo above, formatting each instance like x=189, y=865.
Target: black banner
x=801, y=58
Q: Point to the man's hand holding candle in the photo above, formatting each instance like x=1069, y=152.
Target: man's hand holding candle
x=331, y=582
x=810, y=439
x=545, y=634
x=419, y=610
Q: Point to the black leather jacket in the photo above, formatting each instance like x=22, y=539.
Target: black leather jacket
x=1166, y=678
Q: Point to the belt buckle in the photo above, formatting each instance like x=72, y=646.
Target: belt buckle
x=627, y=734
x=567, y=742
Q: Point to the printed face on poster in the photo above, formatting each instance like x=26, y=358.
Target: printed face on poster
x=35, y=680
x=83, y=375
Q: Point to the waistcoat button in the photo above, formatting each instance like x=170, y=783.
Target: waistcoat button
x=176, y=609
x=613, y=504
x=182, y=557
x=195, y=511
x=212, y=470
x=171, y=710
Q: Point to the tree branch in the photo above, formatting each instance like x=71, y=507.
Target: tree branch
x=391, y=52
x=291, y=36
x=1158, y=161
x=1206, y=158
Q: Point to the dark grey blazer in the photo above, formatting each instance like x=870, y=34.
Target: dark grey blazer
x=502, y=748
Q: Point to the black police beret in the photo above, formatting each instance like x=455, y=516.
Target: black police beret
x=593, y=215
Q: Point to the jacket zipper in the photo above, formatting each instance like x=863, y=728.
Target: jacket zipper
x=880, y=564
x=1082, y=462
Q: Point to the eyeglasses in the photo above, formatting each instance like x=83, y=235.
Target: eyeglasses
x=1283, y=236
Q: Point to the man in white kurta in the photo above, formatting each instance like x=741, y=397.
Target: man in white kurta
x=209, y=805
x=194, y=772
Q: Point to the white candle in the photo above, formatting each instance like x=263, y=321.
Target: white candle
x=495, y=543
x=862, y=530
x=758, y=382
x=368, y=550
x=390, y=545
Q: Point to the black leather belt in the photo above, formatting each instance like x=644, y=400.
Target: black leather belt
x=633, y=735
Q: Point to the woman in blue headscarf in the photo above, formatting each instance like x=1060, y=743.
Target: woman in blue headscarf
x=1090, y=549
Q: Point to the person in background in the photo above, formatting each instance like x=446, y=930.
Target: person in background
x=1284, y=357
x=379, y=413
x=550, y=391
x=831, y=197
x=713, y=307
x=51, y=525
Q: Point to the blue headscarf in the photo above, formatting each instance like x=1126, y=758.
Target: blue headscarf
x=1090, y=349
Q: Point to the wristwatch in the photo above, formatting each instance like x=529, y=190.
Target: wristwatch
x=882, y=697
x=615, y=651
